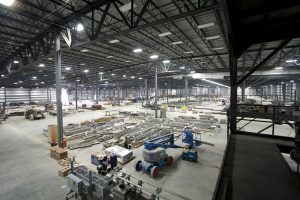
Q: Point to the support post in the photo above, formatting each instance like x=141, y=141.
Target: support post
x=118, y=93
x=147, y=92
x=156, y=90
x=58, y=89
x=4, y=97
x=284, y=93
x=233, y=84
x=186, y=90
x=50, y=96
x=76, y=97
x=97, y=93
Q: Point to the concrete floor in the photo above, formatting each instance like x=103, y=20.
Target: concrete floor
x=28, y=172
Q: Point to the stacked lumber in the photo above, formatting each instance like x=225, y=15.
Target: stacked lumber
x=58, y=153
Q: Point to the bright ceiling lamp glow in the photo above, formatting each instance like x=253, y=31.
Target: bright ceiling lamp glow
x=101, y=73
x=139, y=50
x=79, y=27
x=217, y=48
x=16, y=62
x=213, y=82
x=140, y=78
x=42, y=82
x=164, y=34
x=109, y=56
x=2, y=75
x=34, y=77
x=166, y=61
x=182, y=67
x=86, y=71
x=127, y=7
x=292, y=81
x=178, y=42
x=68, y=68
x=84, y=50
x=15, y=83
x=113, y=74
x=7, y=2
x=41, y=65
x=154, y=57
x=77, y=80
x=213, y=37
x=82, y=64
x=124, y=75
x=127, y=61
x=188, y=52
x=278, y=68
x=132, y=77
x=114, y=41
x=206, y=25
x=290, y=61
x=192, y=72
x=20, y=82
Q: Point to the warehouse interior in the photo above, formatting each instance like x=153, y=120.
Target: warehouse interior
x=149, y=99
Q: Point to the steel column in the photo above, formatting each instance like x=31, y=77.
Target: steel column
x=58, y=90
x=76, y=97
x=233, y=83
x=147, y=91
x=118, y=93
x=186, y=90
x=156, y=90
x=284, y=93
x=97, y=93
x=4, y=96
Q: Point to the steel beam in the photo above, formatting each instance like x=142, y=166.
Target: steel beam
x=58, y=90
x=147, y=91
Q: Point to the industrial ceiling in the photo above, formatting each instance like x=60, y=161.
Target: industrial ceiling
x=99, y=38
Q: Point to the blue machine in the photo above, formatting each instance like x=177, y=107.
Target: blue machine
x=189, y=153
x=154, y=152
x=155, y=156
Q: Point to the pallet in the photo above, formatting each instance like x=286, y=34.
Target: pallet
x=64, y=171
x=58, y=153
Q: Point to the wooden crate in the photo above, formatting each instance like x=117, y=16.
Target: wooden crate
x=58, y=153
x=64, y=171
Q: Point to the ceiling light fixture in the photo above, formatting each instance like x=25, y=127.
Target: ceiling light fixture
x=139, y=50
x=213, y=82
x=188, y=52
x=182, y=67
x=114, y=41
x=113, y=74
x=132, y=77
x=124, y=75
x=178, y=42
x=41, y=65
x=164, y=34
x=7, y=2
x=128, y=61
x=206, y=25
x=140, y=78
x=82, y=64
x=213, y=37
x=86, y=71
x=16, y=62
x=290, y=61
x=77, y=80
x=2, y=75
x=109, y=56
x=34, y=77
x=68, y=68
x=217, y=48
x=101, y=73
x=84, y=50
x=278, y=68
x=154, y=57
x=79, y=27
x=292, y=81
x=166, y=61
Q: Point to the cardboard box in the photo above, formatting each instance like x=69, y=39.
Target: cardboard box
x=52, y=133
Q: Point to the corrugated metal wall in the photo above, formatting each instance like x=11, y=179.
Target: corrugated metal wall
x=26, y=95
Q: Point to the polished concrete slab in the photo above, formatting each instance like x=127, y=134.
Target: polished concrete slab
x=28, y=172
